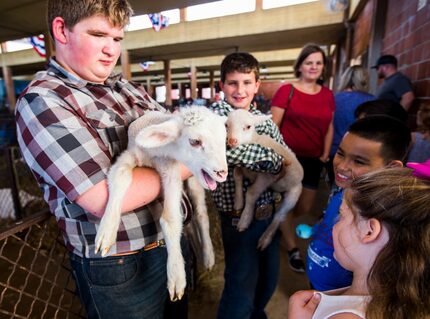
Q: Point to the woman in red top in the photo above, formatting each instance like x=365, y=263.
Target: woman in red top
x=304, y=113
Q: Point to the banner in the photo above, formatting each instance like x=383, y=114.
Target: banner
x=158, y=21
x=38, y=44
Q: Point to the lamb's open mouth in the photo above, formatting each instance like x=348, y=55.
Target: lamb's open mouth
x=210, y=182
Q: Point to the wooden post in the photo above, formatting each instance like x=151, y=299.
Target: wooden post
x=168, y=82
x=8, y=81
x=212, y=84
x=193, y=81
x=377, y=35
x=125, y=65
x=149, y=88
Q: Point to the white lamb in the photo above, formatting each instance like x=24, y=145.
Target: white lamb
x=241, y=130
x=194, y=136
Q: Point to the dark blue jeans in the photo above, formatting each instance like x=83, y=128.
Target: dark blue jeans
x=250, y=275
x=133, y=286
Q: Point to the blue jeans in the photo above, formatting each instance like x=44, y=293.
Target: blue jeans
x=250, y=275
x=128, y=287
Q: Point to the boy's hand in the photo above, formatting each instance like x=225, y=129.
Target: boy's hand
x=302, y=304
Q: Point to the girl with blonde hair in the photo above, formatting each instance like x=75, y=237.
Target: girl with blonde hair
x=383, y=237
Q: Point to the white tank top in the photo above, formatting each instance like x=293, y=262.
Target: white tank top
x=331, y=305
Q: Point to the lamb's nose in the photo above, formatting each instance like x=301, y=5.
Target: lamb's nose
x=232, y=142
x=221, y=174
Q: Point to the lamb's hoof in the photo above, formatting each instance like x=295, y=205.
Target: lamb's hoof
x=263, y=242
x=266, y=238
x=106, y=237
x=244, y=222
x=176, y=282
x=103, y=245
x=176, y=297
x=175, y=292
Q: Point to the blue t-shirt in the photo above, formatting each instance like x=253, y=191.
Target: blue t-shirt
x=323, y=271
x=346, y=103
x=420, y=151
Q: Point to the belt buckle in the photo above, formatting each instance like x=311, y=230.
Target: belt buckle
x=263, y=211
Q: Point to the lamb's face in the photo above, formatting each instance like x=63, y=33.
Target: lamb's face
x=241, y=126
x=202, y=145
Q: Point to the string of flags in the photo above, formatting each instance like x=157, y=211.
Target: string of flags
x=158, y=21
x=38, y=44
x=145, y=65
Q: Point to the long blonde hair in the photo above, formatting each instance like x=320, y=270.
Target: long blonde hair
x=398, y=280
x=354, y=78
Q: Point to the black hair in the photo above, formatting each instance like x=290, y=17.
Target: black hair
x=393, y=134
x=381, y=107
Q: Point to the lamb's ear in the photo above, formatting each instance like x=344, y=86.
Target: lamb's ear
x=258, y=119
x=158, y=134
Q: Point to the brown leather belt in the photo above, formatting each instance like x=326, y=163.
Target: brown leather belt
x=155, y=244
x=262, y=212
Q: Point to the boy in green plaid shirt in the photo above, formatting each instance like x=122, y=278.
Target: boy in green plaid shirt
x=250, y=274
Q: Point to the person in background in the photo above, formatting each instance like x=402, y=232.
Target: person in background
x=72, y=122
x=304, y=112
x=396, y=86
x=382, y=238
x=420, y=146
x=381, y=107
x=250, y=275
x=352, y=91
x=371, y=143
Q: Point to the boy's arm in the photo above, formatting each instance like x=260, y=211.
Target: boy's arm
x=144, y=188
x=62, y=150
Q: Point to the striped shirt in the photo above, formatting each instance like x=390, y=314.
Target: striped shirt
x=70, y=131
x=250, y=156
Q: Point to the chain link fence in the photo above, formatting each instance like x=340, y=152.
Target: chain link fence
x=35, y=281
x=35, y=276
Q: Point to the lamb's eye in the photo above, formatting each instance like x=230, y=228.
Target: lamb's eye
x=195, y=142
x=247, y=127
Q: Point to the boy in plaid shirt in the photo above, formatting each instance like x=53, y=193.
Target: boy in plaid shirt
x=250, y=275
x=72, y=122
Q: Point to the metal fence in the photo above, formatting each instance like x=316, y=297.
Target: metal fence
x=35, y=277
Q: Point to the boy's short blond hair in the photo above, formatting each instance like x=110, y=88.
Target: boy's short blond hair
x=118, y=12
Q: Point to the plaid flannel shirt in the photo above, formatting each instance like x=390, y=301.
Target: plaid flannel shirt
x=69, y=132
x=250, y=156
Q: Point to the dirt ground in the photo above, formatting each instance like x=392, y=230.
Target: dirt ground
x=204, y=299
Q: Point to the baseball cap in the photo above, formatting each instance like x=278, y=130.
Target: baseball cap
x=385, y=59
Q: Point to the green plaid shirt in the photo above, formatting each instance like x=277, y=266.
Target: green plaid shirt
x=251, y=156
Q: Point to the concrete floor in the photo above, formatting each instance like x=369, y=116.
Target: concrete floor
x=204, y=299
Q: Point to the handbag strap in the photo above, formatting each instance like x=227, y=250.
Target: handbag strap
x=290, y=96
